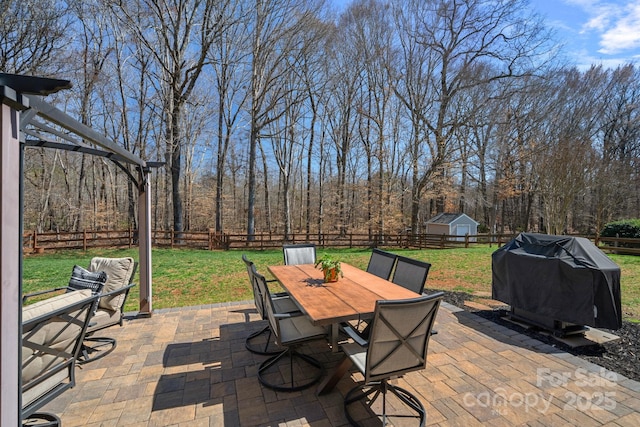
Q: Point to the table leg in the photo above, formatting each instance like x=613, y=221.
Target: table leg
x=335, y=330
x=330, y=382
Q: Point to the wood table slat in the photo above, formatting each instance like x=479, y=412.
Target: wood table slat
x=353, y=296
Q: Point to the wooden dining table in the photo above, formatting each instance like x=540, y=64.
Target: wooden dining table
x=352, y=297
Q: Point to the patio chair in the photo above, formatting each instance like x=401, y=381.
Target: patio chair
x=52, y=335
x=108, y=279
x=397, y=345
x=290, y=331
x=282, y=303
x=302, y=253
x=381, y=263
x=110, y=310
x=411, y=274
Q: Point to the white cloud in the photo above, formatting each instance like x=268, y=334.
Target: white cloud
x=624, y=34
x=598, y=23
x=615, y=23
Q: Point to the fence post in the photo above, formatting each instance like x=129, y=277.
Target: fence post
x=172, y=238
x=84, y=239
x=130, y=236
x=466, y=240
x=35, y=240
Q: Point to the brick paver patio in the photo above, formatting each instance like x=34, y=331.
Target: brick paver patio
x=189, y=367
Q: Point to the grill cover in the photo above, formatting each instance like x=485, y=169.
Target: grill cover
x=564, y=278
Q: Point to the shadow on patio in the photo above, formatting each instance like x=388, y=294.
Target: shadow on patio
x=189, y=367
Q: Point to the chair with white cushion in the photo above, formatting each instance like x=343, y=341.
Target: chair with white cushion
x=110, y=311
x=52, y=334
x=108, y=279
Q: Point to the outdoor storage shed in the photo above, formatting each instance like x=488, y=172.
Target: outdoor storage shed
x=566, y=279
x=453, y=224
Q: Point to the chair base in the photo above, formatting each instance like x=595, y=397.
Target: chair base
x=380, y=389
x=291, y=385
x=269, y=348
x=94, y=348
x=42, y=419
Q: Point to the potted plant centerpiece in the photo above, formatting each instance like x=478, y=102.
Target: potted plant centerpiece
x=330, y=268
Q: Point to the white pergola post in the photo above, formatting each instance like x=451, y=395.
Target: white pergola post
x=10, y=264
x=144, y=243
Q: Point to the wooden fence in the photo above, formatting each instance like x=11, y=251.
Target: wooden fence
x=210, y=240
x=618, y=245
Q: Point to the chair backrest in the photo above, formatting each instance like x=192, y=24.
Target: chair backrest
x=120, y=272
x=255, y=286
x=381, y=263
x=269, y=310
x=411, y=274
x=400, y=335
x=52, y=335
x=303, y=253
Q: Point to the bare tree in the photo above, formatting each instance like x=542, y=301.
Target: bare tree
x=313, y=71
x=343, y=87
x=571, y=128
x=373, y=38
x=32, y=36
x=276, y=27
x=442, y=42
x=179, y=35
x=615, y=179
x=229, y=53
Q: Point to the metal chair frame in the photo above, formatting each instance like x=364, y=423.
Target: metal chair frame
x=405, y=273
x=285, y=305
x=289, y=351
x=410, y=345
x=381, y=263
x=299, y=253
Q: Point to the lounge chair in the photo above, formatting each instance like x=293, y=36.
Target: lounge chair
x=52, y=334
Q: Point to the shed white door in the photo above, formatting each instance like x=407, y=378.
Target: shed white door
x=462, y=230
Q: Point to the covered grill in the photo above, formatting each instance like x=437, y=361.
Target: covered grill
x=557, y=279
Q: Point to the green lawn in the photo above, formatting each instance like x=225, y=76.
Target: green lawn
x=195, y=277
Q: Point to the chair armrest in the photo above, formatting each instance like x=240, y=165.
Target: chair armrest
x=34, y=294
x=354, y=335
x=118, y=291
x=279, y=316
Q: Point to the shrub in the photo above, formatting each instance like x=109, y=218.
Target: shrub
x=626, y=228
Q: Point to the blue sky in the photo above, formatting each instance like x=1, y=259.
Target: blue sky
x=603, y=32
